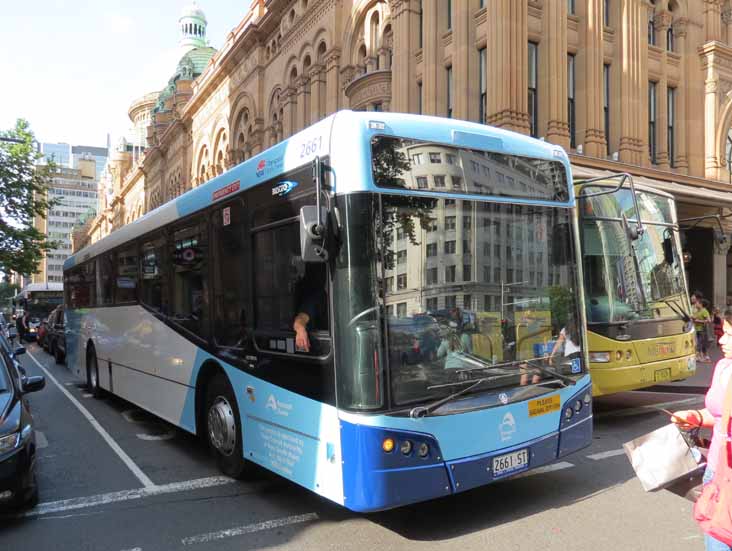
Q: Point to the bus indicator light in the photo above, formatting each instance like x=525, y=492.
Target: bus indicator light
x=388, y=445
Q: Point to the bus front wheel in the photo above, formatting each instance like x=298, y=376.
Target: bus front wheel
x=92, y=374
x=223, y=427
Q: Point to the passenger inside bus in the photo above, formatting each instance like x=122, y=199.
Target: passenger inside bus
x=312, y=305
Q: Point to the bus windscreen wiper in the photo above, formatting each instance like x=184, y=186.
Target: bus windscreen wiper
x=678, y=310
x=544, y=369
x=422, y=411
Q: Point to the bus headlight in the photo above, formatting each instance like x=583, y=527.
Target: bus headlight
x=568, y=412
x=423, y=450
x=587, y=398
x=406, y=447
x=600, y=357
x=691, y=364
x=577, y=406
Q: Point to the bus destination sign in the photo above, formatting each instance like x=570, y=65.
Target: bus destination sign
x=226, y=190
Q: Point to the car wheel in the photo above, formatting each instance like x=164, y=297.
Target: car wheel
x=58, y=355
x=223, y=428
x=92, y=374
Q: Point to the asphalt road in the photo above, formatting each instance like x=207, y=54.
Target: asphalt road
x=115, y=478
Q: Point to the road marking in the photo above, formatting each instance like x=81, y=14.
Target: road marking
x=86, y=395
x=153, y=437
x=546, y=469
x=142, y=477
x=646, y=409
x=41, y=440
x=68, y=384
x=250, y=528
x=133, y=549
x=126, y=495
x=605, y=455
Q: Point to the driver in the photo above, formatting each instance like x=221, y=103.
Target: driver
x=312, y=302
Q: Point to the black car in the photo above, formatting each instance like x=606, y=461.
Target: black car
x=55, y=337
x=18, y=485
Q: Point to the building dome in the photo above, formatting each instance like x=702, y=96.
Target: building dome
x=192, y=25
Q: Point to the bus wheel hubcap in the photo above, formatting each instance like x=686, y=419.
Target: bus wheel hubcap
x=222, y=426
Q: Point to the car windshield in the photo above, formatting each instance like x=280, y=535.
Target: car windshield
x=4, y=375
x=631, y=279
x=475, y=290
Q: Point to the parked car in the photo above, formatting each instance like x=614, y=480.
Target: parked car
x=55, y=336
x=18, y=485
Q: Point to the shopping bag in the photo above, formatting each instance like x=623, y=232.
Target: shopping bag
x=661, y=457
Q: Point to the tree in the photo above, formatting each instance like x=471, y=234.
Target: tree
x=7, y=291
x=23, y=197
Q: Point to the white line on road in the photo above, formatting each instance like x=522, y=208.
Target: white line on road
x=647, y=409
x=86, y=395
x=126, y=459
x=546, y=469
x=152, y=437
x=605, y=455
x=126, y=495
x=250, y=528
x=41, y=440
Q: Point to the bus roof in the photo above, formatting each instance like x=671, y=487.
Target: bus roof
x=638, y=187
x=346, y=136
x=34, y=287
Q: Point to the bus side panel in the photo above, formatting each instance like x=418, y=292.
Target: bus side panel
x=75, y=348
x=289, y=434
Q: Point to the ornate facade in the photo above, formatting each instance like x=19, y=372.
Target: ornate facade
x=639, y=86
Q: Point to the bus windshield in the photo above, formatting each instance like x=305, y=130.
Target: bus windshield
x=626, y=279
x=474, y=289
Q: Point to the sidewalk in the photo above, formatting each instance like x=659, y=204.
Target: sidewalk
x=697, y=384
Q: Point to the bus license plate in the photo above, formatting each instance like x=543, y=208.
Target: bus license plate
x=511, y=462
x=662, y=375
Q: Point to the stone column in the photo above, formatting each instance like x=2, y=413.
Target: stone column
x=591, y=101
x=303, y=97
x=712, y=20
x=681, y=161
x=289, y=119
x=727, y=24
x=465, y=101
x=332, y=85
x=433, y=73
x=553, y=77
x=719, y=276
x=507, y=75
x=405, y=29
x=633, y=83
x=317, y=93
x=662, y=23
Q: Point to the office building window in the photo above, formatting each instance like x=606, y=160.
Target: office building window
x=533, y=97
x=421, y=28
x=483, y=85
x=571, y=7
x=651, y=32
x=670, y=39
x=449, y=14
x=419, y=98
x=449, y=274
x=570, y=101
x=449, y=92
x=652, y=121
x=606, y=103
x=606, y=13
x=671, y=116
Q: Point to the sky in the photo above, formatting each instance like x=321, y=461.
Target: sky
x=72, y=68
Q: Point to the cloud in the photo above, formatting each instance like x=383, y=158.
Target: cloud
x=118, y=23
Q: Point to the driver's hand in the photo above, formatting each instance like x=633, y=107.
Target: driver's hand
x=302, y=342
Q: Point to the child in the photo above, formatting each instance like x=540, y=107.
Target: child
x=701, y=317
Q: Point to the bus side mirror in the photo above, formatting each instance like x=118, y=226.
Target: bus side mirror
x=313, y=230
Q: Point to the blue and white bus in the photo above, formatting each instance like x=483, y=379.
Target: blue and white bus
x=432, y=265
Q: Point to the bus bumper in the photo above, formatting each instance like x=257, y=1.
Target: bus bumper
x=374, y=480
x=607, y=380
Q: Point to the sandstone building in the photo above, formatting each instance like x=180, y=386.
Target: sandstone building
x=639, y=86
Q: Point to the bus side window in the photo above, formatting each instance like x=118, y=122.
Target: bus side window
x=127, y=272
x=153, y=285
x=105, y=279
x=189, y=252
x=230, y=277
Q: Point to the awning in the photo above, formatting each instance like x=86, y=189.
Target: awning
x=683, y=192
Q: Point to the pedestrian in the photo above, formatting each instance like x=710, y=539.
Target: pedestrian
x=700, y=316
x=711, y=415
x=718, y=326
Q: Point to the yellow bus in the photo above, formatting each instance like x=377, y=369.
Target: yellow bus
x=638, y=326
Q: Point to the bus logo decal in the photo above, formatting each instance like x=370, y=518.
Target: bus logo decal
x=507, y=427
x=261, y=165
x=226, y=190
x=280, y=408
x=283, y=188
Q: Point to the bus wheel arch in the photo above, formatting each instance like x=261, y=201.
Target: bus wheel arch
x=218, y=420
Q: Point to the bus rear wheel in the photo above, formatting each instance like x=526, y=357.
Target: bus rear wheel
x=223, y=428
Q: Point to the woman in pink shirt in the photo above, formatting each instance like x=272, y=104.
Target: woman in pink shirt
x=711, y=415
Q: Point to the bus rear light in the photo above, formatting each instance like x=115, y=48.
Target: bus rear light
x=406, y=447
x=388, y=445
x=600, y=357
x=423, y=450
